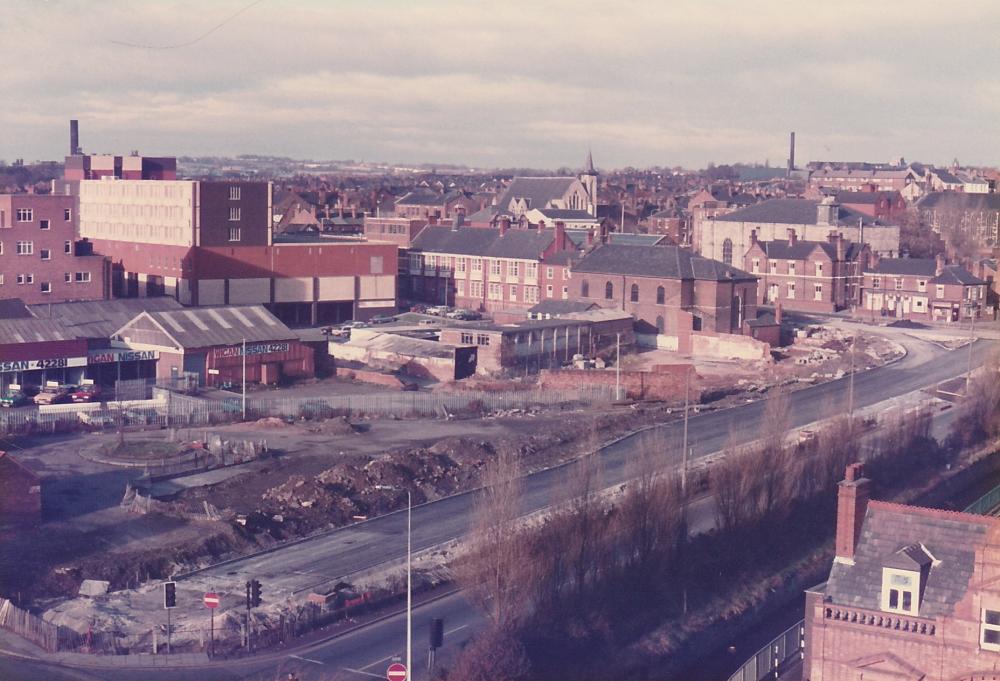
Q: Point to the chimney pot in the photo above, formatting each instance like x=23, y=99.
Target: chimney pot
x=852, y=503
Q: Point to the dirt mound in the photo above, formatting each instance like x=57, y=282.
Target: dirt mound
x=333, y=426
x=270, y=422
x=463, y=451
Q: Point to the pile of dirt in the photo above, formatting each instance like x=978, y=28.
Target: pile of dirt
x=333, y=426
x=271, y=422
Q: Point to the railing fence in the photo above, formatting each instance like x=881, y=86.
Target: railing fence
x=775, y=656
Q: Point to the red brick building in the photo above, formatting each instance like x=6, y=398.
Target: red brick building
x=669, y=290
x=921, y=289
x=41, y=259
x=400, y=231
x=911, y=594
x=424, y=204
x=812, y=276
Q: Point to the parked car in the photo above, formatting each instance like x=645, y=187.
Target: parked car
x=53, y=394
x=14, y=399
x=429, y=322
x=464, y=315
x=347, y=326
x=86, y=393
x=382, y=319
x=438, y=310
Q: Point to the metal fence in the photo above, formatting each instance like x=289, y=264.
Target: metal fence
x=986, y=504
x=776, y=656
x=43, y=634
x=169, y=409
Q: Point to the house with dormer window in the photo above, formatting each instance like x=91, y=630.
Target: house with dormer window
x=913, y=594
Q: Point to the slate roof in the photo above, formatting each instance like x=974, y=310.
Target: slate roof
x=801, y=250
x=424, y=197
x=960, y=201
x=556, y=307
x=946, y=176
x=952, y=538
x=790, y=212
x=666, y=262
x=539, y=191
x=13, y=308
x=956, y=274
x=635, y=239
x=485, y=242
x=925, y=267
x=202, y=327
x=566, y=214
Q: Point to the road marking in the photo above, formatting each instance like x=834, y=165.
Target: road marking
x=358, y=671
x=384, y=659
x=306, y=659
x=452, y=631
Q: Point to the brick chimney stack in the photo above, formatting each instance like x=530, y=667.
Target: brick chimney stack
x=504, y=225
x=778, y=313
x=938, y=265
x=841, y=248
x=792, y=238
x=852, y=503
x=560, y=235
x=753, y=237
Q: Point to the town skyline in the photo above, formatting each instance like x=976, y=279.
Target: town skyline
x=515, y=86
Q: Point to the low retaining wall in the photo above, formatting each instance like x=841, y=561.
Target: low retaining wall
x=729, y=346
x=366, y=376
x=665, y=382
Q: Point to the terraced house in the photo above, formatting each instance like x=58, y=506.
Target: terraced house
x=921, y=289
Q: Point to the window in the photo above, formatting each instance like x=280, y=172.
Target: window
x=67, y=247
x=460, y=265
x=45, y=253
x=585, y=289
x=634, y=293
x=482, y=339
x=727, y=251
x=755, y=265
x=476, y=289
x=659, y=325
x=375, y=264
x=495, y=292
x=548, y=291
x=460, y=288
x=234, y=193
x=513, y=292
x=494, y=268
x=82, y=277
x=939, y=290
x=818, y=292
x=876, y=282
x=819, y=269
x=234, y=233
x=68, y=278
x=46, y=287
x=661, y=295
x=415, y=261
x=791, y=290
x=565, y=293
x=549, y=273
x=922, y=285
x=1, y=278
x=68, y=214
x=513, y=269
x=531, y=271
x=989, y=636
x=899, y=590
x=466, y=338
x=531, y=294
x=477, y=265
x=772, y=267
x=43, y=224
x=609, y=290
x=899, y=283
x=234, y=213
x=25, y=247
x=791, y=267
x=24, y=215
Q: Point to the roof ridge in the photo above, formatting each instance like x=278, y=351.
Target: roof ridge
x=929, y=512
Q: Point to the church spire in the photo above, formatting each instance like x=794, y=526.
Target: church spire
x=589, y=168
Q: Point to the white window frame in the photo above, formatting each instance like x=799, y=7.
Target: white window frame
x=790, y=293
x=819, y=269
x=67, y=214
x=477, y=265
x=24, y=215
x=899, y=283
x=513, y=268
x=513, y=293
x=234, y=193
x=67, y=247
x=876, y=282
x=234, y=214
x=565, y=293
x=495, y=268
x=44, y=224
x=46, y=287
x=82, y=277
x=755, y=265
x=892, y=583
x=791, y=267
x=939, y=291
x=922, y=285
x=985, y=626
x=68, y=277
x=817, y=291
x=460, y=264
x=772, y=266
x=235, y=233
x=25, y=247
x=549, y=273
x=45, y=254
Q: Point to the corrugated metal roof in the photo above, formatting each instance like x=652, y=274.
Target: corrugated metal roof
x=16, y=331
x=100, y=318
x=202, y=327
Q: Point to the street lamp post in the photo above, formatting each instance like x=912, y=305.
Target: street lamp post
x=409, y=576
x=972, y=339
x=244, y=379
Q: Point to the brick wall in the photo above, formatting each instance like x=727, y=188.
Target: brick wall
x=666, y=382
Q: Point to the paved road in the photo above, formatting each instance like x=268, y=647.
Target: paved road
x=303, y=566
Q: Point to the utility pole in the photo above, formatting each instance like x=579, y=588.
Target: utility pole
x=409, y=584
x=684, y=453
x=972, y=339
x=850, y=379
x=244, y=379
x=618, y=366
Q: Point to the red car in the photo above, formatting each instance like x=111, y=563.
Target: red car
x=86, y=393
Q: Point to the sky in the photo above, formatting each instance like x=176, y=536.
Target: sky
x=504, y=83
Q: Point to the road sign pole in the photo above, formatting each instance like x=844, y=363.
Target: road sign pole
x=168, y=631
x=211, y=634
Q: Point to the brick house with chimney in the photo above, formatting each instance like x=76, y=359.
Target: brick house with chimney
x=669, y=290
x=811, y=276
x=425, y=203
x=503, y=270
x=912, y=594
x=921, y=289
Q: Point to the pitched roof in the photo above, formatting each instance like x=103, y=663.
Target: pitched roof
x=16, y=331
x=539, y=191
x=554, y=306
x=202, y=327
x=801, y=250
x=100, y=318
x=950, y=537
x=566, y=214
x=486, y=242
x=956, y=274
x=790, y=212
x=666, y=262
x=925, y=267
x=635, y=239
x=13, y=308
x=960, y=201
x=425, y=197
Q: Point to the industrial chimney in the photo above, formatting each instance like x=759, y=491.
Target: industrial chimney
x=791, y=152
x=74, y=137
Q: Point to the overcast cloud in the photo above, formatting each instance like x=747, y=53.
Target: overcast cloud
x=505, y=83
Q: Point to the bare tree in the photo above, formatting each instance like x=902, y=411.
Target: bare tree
x=494, y=569
x=584, y=520
x=492, y=656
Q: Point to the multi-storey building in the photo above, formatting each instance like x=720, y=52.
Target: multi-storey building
x=911, y=594
x=424, y=204
x=923, y=289
x=501, y=270
x=400, y=231
x=975, y=215
x=728, y=236
x=41, y=259
x=812, y=276
x=669, y=290
x=857, y=179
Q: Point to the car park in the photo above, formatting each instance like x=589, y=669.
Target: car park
x=86, y=393
x=15, y=398
x=429, y=322
x=53, y=394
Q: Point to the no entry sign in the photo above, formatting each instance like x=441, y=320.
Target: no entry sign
x=396, y=672
x=211, y=600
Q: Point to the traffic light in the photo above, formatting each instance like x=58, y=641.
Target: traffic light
x=170, y=595
x=254, y=593
x=437, y=633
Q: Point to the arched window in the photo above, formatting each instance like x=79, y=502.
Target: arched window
x=661, y=295
x=609, y=290
x=585, y=289
x=635, y=293
x=659, y=325
x=727, y=251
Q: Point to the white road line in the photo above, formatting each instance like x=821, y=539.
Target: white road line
x=306, y=659
x=358, y=671
x=384, y=659
x=452, y=631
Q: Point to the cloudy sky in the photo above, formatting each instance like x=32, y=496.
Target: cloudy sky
x=504, y=83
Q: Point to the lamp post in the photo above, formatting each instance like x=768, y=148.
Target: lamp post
x=972, y=339
x=409, y=575
x=244, y=379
